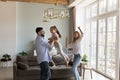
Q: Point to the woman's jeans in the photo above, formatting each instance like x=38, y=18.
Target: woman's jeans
x=45, y=71
x=76, y=63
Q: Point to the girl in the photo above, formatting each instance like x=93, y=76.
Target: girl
x=55, y=36
x=75, y=45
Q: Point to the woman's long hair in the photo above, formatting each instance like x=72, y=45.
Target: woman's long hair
x=74, y=39
x=55, y=28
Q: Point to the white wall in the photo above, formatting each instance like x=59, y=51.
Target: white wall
x=8, y=28
x=30, y=16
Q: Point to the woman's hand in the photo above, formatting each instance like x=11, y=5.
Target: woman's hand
x=80, y=30
x=79, y=27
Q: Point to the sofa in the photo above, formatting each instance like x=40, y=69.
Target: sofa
x=27, y=68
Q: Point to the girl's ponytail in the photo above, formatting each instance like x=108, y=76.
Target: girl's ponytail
x=59, y=34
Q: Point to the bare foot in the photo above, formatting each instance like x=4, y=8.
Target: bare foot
x=54, y=66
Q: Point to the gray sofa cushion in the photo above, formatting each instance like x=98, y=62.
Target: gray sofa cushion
x=23, y=59
x=28, y=60
x=32, y=61
x=30, y=71
x=58, y=60
x=23, y=66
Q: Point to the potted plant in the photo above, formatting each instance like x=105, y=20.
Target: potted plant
x=6, y=57
x=84, y=59
x=23, y=53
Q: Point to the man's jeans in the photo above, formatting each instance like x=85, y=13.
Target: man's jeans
x=45, y=71
x=76, y=63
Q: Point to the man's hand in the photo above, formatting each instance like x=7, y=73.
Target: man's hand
x=51, y=42
x=50, y=39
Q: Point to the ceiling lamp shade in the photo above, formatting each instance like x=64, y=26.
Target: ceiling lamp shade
x=55, y=13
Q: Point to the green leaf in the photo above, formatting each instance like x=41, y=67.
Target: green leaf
x=23, y=53
x=84, y=58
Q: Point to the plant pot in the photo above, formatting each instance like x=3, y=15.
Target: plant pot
x=6, y=58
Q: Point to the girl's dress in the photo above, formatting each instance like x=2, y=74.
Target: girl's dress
x=58, y=45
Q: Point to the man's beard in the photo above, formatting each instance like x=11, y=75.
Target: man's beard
x=42, y=35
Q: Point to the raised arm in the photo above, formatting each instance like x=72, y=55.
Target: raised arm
x=81, y=32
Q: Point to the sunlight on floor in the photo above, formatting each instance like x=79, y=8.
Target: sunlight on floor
x=95, y=75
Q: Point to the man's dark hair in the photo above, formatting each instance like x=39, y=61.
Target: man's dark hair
x=38, y=29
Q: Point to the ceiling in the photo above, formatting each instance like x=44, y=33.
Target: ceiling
x=64, y=2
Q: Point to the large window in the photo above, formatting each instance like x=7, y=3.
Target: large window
x=94, y=10
x=93, y=43
x=101, y=16
x=102, y=6
x=101, y=45
x=112, y=5
x=88, y=11
x=111, y=46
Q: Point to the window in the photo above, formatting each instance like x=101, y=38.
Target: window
x=102, y=6
x=112, y=5
x=101, y=45
x=88, y=12
x=102, y=32
x=86, y=46
x=111, y=43
x=94, y=10
x=93, y=43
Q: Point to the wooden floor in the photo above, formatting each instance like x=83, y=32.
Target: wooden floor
x=7, y=74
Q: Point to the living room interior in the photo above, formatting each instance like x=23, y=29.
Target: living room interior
x=99, y=20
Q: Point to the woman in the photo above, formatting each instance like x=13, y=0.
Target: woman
x=76, y=46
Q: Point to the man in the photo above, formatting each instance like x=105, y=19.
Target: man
x=43, y=57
